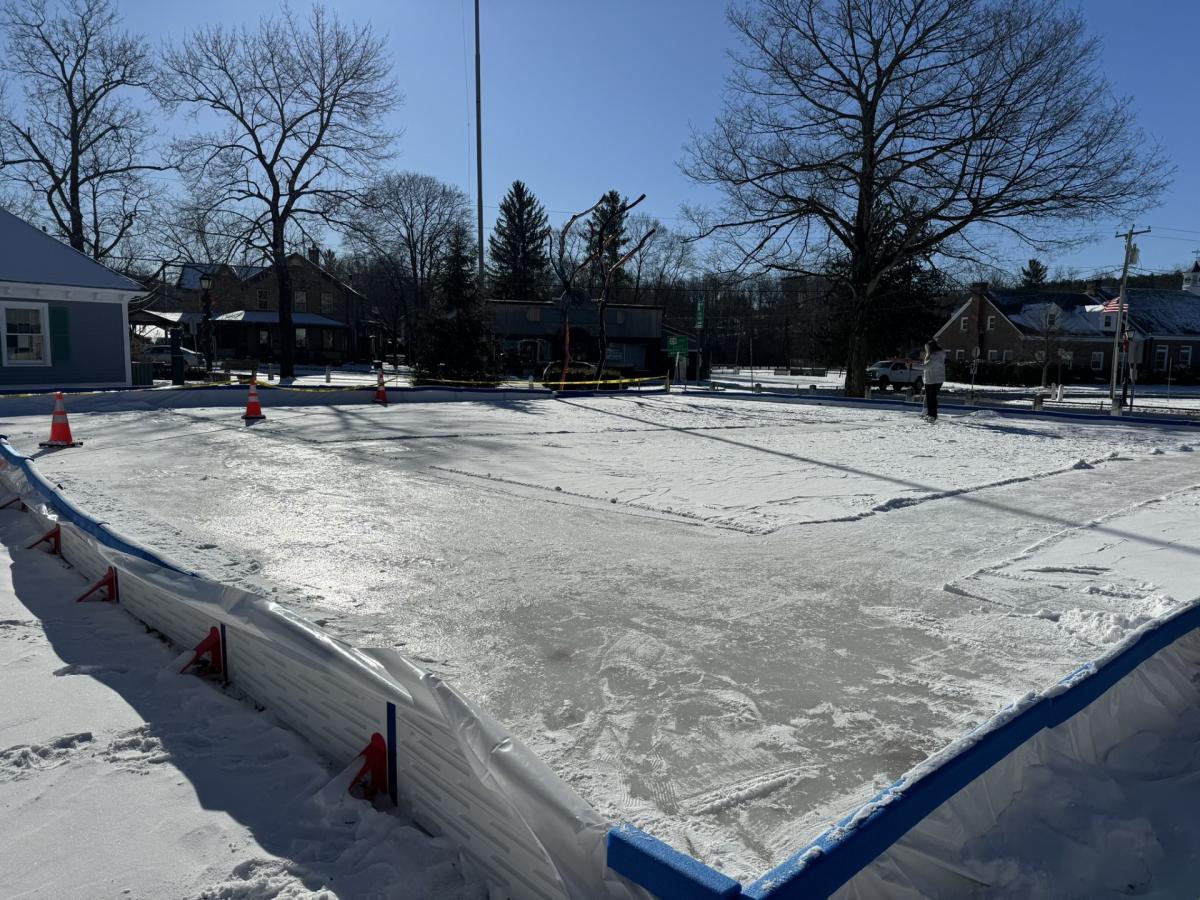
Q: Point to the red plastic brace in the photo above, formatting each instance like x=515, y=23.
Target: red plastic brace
x=12, y=501
x=373, y=776
x=53, y=537
x=108, y=582
x=210, y=646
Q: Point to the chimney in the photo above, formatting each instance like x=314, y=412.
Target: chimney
x=979, y=288
x=1092, y=287
x=314, y=255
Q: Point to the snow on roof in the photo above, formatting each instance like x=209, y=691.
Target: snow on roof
x=30, y=256
x=1080, y=314
x=266, y=317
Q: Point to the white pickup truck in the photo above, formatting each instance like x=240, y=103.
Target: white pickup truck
x=898, y=373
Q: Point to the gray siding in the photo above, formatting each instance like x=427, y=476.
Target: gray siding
x=90, y=349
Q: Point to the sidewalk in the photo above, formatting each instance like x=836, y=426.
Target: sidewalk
x=120, y=778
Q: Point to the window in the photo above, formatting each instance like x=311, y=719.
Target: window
x=327, y=338
x=300, y=301
x=1185, y=357
x=263, y=299
x=991, y=323
x=1108, y=321
x=327, y=306
x=1051, y=318
x=960, y=354
x=1040, y=355
x=1097, y=360
x=962, y=323
x=25, y=331
x=1161, y=352
x=993, y=356
x=1008, y=355
x=533, y=314
x=620, y=317
x=301, y=337
x=1067, y=357
x=264, y=337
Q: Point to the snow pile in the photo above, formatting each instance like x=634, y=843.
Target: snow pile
x=119, y=777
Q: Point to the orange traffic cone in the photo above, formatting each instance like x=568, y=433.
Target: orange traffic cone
x=60, y=428
x=381, y=390
x=253, y=410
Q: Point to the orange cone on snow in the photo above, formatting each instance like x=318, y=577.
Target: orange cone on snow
x=60, y=428
x=253, y=409
x=381, y=390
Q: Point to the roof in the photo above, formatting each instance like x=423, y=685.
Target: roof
x=1163, y=312
x=189, y=273
x=267, y=317
x=33, y=257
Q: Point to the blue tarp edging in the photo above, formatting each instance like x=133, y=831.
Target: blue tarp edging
x=840, y=853
x=69, y=512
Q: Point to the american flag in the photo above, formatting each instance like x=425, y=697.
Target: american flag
x=1114, y=305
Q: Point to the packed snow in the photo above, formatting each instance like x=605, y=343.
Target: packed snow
x=120, y=777
x=726, y=620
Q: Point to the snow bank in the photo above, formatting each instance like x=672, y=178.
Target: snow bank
x=452, y=768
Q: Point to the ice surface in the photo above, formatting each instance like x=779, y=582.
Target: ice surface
x=751, y=638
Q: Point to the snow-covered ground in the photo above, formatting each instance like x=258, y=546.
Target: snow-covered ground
x=120, y=778
x=722, y=619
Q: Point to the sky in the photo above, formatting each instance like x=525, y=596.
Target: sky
x=582, y=97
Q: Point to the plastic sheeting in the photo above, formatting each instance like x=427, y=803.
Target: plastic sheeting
x=457, y=771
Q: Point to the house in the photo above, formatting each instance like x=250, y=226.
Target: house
x=532, y=334
x=65, y=316
x=245, y=310
x=1072, y=333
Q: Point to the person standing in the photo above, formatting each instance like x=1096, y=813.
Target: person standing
x=933, y=377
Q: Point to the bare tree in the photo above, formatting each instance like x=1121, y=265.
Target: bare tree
x=405, y=220
x=80, y=144
x=300, y=100
x=660, y=263
x=850, y=120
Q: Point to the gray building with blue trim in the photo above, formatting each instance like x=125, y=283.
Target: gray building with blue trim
x=65, y=317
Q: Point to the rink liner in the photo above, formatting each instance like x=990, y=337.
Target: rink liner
x=461, y=775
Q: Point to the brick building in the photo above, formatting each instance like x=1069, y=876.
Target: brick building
x=325, y=310
x=1074, y=333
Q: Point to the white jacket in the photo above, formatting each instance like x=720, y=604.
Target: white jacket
x=935, y=367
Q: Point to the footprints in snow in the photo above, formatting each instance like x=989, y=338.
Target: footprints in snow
x=27, y=760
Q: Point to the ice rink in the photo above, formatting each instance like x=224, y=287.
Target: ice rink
x=723, y=619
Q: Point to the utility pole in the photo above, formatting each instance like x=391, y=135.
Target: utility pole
x=1117, y=334
x=478, y=152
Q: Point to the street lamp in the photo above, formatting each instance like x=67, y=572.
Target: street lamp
x=206, y=306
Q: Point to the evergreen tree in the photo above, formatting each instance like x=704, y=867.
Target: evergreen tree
x=519, y=266
x=607, y=221
x=1033, y=276
x=457, y=335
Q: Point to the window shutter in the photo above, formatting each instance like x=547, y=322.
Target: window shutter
x=60, y=335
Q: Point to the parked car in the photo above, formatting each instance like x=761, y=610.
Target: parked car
x=897, y=373
x=160, y=355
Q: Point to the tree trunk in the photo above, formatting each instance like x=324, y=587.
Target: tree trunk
x=287, y=328
x=603, y=341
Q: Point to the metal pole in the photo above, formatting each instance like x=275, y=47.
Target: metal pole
x=1129, y=235
x=478, y=148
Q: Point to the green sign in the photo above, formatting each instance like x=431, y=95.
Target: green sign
x=700, y=313
x=677, y=343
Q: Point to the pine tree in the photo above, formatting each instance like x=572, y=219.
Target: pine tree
x=519, y=266
x=607, y=221
x=1034, y=275
x=458, y=331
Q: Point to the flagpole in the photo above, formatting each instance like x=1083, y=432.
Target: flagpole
x=478, y=154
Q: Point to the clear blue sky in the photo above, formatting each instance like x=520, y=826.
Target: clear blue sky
x=580, y=97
